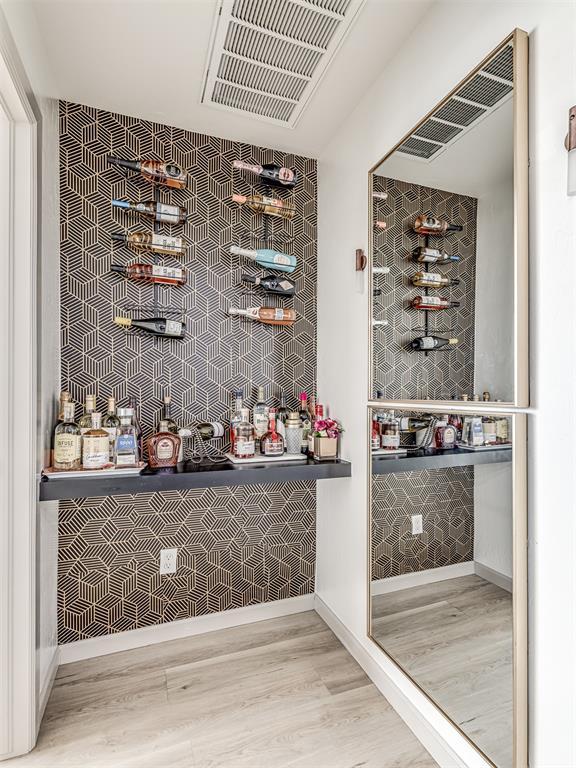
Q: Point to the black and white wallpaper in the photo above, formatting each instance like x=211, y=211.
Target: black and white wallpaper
x=109, y=547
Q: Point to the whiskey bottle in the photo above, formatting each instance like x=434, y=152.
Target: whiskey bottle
x=267, y=315
x=155, y=171
x=95, y=450
x=271, y=206
x=432, y=280
x=432, y=342
x=430, y=225
x=167, y=422
x=260, y=415
x=170, y=214
x=158, y=326
x=272, y=284
x=145, y=241
x=163, y=450
x=110, y=424
x=152, y=273
x=126, y=452
x=433, y=303
x=236, y=416
x=306, y=423
x=244, y=442
x=85, y=421
x=266, y=257
x=272, y=443
x=270, y=173
x=424, y=255
x=67, y=441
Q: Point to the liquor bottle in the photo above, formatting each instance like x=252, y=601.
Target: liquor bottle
x=236, y=416
x=110, y=424
x=272, y=284
x=271, y=173
x=432, y=280
x=271, y=206
x=145, y=241
x=432, y=342
x=412, y=423
x=390, y=432
x=267, y=257
x=170, y=214
x=424, y=255
x=272, y=443
x=430, y=225
x=489, y=430
x=95, y=449
x=244, y=443
x=158, y=326
x=65, y=397
x=433, y=303
x=283, y=411
x=163, y=450
x=155, y=171
x=375, y=436
x=445, y=434
x=169, y=423
x=85, y=421
x=456, y=421
x=67, y=441
x=152, y=273
x=209, y=430
x=305, y=419
x=268, y=315
x=260, y=415
x=126, y=453
x=502, y=430
x=136, y=422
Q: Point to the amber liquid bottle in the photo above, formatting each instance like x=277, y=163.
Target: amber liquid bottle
x=272, y=206
x=154, y=170
x=152, y=273
x=267, y=315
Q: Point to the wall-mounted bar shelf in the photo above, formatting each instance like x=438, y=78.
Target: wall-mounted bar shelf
x=192, y=476
x=437, y=459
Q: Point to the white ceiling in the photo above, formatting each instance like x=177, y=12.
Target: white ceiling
x=146, y=58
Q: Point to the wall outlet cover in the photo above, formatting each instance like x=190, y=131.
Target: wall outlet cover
x=168, y=559
x=416, y=524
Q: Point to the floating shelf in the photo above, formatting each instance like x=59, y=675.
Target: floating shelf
x=191, y=475
x=437, y=459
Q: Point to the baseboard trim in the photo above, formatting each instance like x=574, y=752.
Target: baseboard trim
x=46, y=686
x=423, y=718
x=494, y=577
x=418, y=578
x=159, y=633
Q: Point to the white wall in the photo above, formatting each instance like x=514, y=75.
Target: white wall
x=388, y=111
x=493, y=517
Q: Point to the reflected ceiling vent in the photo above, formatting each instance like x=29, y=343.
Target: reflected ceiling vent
x=483, y=93
x=267, y=56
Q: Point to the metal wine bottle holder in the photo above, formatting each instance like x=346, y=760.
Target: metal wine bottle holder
x=197, y=450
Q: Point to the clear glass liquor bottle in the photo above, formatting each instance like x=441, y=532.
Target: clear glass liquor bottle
x=67, y=441
x=126, y=443
x=236, y=416
x=171, y=424
x=111, y=423
x=85, y=421
x=244, y=442
x=95, y=450
x=260, y=415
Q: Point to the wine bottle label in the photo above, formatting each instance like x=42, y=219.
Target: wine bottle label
x=427, y=342
x=95, y=452
x=218, y=428
x=286, y=285
x=278, y=314
x=173, y=328
x=172, y=272
x=433, y=301
x=244, y=448
x=164, y=448
x=169, y=213
x=66, y=448
x=281, y=258
x=170, y=243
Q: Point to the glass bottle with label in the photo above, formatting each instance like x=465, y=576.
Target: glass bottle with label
x=110, y=424
x=282, y=414
x=236, y=416
x=244, y=443
x=489, y=430
x=170, y=424
x=272, y=443
x=163, y=448
x=126, y=442
x=95, y=449
x=67, y=441
x=305, y=419
x=85, y=421
x=260, y=416
x=390, y=433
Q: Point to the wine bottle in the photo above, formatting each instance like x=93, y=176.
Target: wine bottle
x=210, y=429
x=432, y=280
x=268, y=315
x=169, y=425
x=272, y=284
x=159, y=326
x=144, y=241
x=425, y=255
x=272, y=206
x=271, y=173
x=151, y=273
x=433, y=303
x=156, y=171
x=171, y=214
x=430, y=225
x=380, y=195
x=267, y=257
x=432, y=342
x=380, y=225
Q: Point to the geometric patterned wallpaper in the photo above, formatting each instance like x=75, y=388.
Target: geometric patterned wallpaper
x=109, y=547
x=398, y=371
x=444, y=498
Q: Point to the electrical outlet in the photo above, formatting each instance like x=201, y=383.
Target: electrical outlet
x=416, y=524
x=168, y=560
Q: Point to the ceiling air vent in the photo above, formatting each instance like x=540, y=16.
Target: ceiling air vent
x=483, y=93
x=267, y=56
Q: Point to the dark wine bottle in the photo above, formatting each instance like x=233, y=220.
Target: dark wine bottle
x=154, y=170
x=432, y=342
x=158, y=326
x=171, y=214
x=272, y=284
x=270, y=173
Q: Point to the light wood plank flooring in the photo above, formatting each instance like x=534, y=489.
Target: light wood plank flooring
x=454, y=638
x=273, y=694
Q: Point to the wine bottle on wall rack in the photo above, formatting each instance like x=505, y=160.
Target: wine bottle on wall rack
x=430, y=225
x=270, y=173
x=433, y=303
x=380, y=195
x=267, y=315
x=432, y=342
x=152, y=273
x=273, y=284
x=271, y=206
x=267, y=257
x=144, y=241
x=170, y=214
x=158, y=326
x=432, y=280
x=380, y=225
x=425, y=255
x=157, y=171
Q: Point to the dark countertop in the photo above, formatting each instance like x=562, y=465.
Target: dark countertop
x=436, y=459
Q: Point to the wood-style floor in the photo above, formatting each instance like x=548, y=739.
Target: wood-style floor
x=274, y=694
x=454, y=638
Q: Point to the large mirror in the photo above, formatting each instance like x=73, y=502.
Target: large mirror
x=449, y=245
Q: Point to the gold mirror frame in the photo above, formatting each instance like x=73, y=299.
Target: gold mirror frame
x=515, y=409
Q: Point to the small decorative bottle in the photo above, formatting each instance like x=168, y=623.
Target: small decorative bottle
x=293, y=428
x=95, y=447
x=272, y=443
x=126, y=442
x=67, y=440
x=244, y=442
